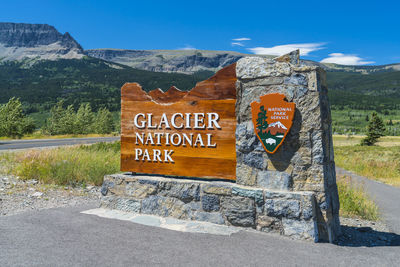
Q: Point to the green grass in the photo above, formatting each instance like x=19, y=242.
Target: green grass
x=354, y=121
x=354, y=202
x=74, y=166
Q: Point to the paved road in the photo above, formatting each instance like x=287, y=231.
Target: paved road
x=65, y=237
x=24, y=144
x=386, y=197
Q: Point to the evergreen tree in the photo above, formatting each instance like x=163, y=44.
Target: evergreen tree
x=375, y=130
x=13, y=122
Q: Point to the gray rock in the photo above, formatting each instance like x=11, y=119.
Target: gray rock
x=212, y=217
x=296, y=79
x=239, y=211
x=258, y=67
x=105, y=186
x=299, y=229
x=184, y=191
x=282, y=208
x=256, y=160
x=129, y=205
x=274, y=180
x=210, y=202
x=150, y=205
x=255, y=194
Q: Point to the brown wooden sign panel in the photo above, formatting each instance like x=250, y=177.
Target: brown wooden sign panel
x=177, y=133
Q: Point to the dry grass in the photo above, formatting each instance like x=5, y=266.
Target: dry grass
x=352, y=140
x=354, y=202
x=39, y=135
x=380, y=162
x=79, y=165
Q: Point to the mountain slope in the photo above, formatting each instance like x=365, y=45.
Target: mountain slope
x=183, y=61
x=375, y=91
x=19, y=41
x=77, y=81
x=190, y=61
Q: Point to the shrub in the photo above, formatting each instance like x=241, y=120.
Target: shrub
x=354, y=202
x=13, y=122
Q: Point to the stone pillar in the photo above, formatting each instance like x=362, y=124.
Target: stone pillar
x=305, y=161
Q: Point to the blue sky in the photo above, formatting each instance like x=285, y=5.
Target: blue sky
x=346, y=32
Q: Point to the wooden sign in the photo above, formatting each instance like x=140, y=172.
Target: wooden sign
x=176, y=133
x=272, y=120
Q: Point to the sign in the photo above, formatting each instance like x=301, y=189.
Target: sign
x=272, y=119
x=176, y=133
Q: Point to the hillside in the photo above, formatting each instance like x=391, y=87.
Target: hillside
x=375, y=91
x=76, y=81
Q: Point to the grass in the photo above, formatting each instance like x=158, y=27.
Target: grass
x=354, y=202
x=39, y=135
x=381, y=162
x=353, y=140
x=74, y=166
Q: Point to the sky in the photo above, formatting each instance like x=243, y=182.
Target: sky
x=344, y=32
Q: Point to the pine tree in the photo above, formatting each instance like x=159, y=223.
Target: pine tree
x=375, y=130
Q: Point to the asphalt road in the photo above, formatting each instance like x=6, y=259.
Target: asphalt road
x=36, y=143
x=385, y=196
x=65, y=237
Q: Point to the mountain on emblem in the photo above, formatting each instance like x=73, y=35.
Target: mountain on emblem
x=272, y=119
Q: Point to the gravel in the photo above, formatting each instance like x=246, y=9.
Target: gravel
x=17, y=196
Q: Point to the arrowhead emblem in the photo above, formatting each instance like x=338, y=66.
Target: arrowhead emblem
x=272, y=119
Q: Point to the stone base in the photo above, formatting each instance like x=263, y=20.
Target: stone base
x=288, y=213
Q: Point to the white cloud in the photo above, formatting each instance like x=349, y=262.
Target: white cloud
x=187, y=47
x=237, y=44
x=279, y=50
x=241, y=39
x=345, y=59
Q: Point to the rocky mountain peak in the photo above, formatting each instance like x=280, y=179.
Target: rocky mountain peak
x=21, y=40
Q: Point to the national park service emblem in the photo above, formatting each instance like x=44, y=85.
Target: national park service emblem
x=272, y=120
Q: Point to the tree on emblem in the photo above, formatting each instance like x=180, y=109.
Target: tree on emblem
x=262, y=119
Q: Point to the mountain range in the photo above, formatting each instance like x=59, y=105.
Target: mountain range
x=34, y=42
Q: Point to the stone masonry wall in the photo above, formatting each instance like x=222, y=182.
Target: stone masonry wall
x=288, y=213
x=292, y=192
x=305, y=160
